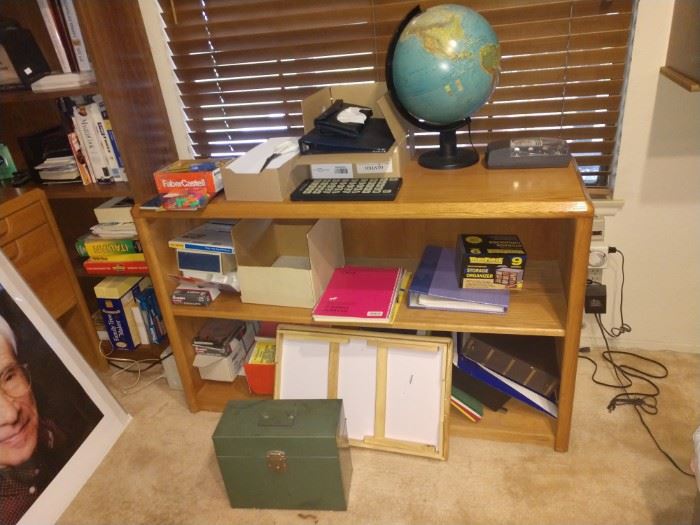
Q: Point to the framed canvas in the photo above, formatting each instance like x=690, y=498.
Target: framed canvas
x=57, y=419
x=395, y=388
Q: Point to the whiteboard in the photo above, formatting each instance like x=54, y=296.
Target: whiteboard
x=357, y=386
x=413, y=395
x=304, y=370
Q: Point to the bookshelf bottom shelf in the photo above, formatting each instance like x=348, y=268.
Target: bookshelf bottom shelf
x=520, y=424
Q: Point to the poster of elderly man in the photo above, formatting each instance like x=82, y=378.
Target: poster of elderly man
x=57, y=420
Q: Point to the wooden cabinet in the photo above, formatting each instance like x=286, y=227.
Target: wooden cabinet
x=31, y=241
x=548, y=209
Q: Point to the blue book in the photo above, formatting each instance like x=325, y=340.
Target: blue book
x=212, y=236
x=507, y=386
x=435, y=286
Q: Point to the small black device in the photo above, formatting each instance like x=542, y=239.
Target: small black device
x=536, y=152
x=596, y=298
x=23, y=52
x=360, y=189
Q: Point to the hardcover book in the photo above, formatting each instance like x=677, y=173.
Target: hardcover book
x=471, y=407
x=93, y=246
x=435, y=286
x=528, y=360
x=115, y=298
x=358, y=293
x=94, y=267
x=490, y=397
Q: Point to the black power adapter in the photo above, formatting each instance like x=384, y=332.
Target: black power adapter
x=596, y=298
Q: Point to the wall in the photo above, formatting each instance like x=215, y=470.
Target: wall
x=658, y=177
x=658, y=227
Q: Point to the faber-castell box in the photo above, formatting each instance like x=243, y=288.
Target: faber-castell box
x=490, y=261
x=284, y=454
x=348, y=165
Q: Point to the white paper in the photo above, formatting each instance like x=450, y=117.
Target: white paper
x=357, y=386
x=253, y=160
x=304, y=371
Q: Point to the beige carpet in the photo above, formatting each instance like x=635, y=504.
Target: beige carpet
x=163, y=469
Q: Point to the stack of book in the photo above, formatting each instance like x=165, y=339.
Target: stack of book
x=435, y=286
x=112, y=246
x=361, y=294
x=206, y=263
x=492, y=368
x=58, y=170
x=61, y=21
x=221, y=348
x=130, y=311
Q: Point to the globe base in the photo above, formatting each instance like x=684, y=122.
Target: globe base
x=448, y=157
x=434, y=159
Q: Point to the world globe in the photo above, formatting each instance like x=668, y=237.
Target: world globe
x=442, y=66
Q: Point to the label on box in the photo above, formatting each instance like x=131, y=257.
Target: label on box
x=368, y=168
x=207, y=181
x=331, y=171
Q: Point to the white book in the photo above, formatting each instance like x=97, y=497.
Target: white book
x=91, y=145
x=93, y=112
x=55, y=36
x=76, y=35
x=140, y=324
x=56, y=81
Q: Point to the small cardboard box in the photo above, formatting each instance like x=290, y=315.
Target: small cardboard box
x=286, y=262
x=260, y=367
x=272, y=184
x=284, y=454
x=183, y=176
x=221, y=368
x=347, y=165
x=490, y=261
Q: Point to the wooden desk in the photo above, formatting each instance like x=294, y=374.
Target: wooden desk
x=30, y=239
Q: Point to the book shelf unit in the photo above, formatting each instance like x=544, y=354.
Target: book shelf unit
x=548, y=209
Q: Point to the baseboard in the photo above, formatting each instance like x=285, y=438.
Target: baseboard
x=625, y=342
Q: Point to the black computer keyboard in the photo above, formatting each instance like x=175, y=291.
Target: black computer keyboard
x=360, y=189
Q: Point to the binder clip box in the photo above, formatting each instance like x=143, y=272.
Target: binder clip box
x=245, y=181
x=284, y=454
x=286, y=262
x=348, y=165
x=490, y=261
x=260, y=367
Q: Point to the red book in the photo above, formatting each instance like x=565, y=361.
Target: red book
x=359, y=294
x=115, y=268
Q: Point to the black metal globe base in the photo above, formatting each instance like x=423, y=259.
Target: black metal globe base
x=448, y=157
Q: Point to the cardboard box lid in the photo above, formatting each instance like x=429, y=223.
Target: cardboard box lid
x=299, y=427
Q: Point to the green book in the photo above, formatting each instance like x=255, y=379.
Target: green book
x=93, y=246
x=468, y=401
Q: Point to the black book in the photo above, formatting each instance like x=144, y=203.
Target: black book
x=489, y=396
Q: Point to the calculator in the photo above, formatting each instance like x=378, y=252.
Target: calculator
x=359, y=189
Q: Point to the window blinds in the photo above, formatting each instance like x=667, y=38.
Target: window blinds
x=244, y=66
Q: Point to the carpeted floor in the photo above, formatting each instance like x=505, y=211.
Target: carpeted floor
x=163, y=469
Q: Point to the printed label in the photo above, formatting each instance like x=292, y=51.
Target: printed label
x=331, y=171
x=374, y=167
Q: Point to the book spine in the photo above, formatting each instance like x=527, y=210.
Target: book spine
x=95, y=116
x=79, y=158
x=60, y=19
x=115, y=315
x=120, y=257
x=54, y=35
x=110, y=133
x=140, y=324
x=89, y=140
x=80, y=246
x=93, y=267
x=76, y=35
x=510, y=366
x=105, y=247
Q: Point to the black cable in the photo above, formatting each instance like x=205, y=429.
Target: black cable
x=625, y=375
x=153, y=362
x=469, y=133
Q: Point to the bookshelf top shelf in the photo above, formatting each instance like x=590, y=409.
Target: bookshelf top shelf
x=22, y=95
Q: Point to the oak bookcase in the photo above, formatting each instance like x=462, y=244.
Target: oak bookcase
x=549, y=209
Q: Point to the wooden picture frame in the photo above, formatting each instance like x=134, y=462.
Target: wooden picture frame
x=395, y=387
x=73, y=420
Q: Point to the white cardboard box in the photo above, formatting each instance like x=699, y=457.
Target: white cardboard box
x=286, y=262
x=221, y=368
x=345, y=165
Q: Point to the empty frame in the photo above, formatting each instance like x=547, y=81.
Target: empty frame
x=395, y=388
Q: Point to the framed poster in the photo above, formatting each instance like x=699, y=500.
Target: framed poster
x=57, y=419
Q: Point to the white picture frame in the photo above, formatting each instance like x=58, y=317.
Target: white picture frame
x=73, y=383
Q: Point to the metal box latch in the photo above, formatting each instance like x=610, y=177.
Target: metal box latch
x=277, y=461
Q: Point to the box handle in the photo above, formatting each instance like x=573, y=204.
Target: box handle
x=277, y=418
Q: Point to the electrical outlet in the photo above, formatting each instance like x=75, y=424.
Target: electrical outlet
x=595, y=274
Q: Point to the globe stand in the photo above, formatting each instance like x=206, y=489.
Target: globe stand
x=448, y=157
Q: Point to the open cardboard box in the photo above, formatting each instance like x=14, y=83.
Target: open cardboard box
x=375, y=96
x=286, y=262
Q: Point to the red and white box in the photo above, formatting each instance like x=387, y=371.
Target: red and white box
x=186, y=176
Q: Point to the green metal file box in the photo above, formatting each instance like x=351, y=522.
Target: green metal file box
x=284, y=454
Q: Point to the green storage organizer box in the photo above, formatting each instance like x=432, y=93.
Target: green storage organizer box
x=284, y=454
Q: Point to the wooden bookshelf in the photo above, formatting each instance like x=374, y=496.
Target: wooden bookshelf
x=548, y=209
